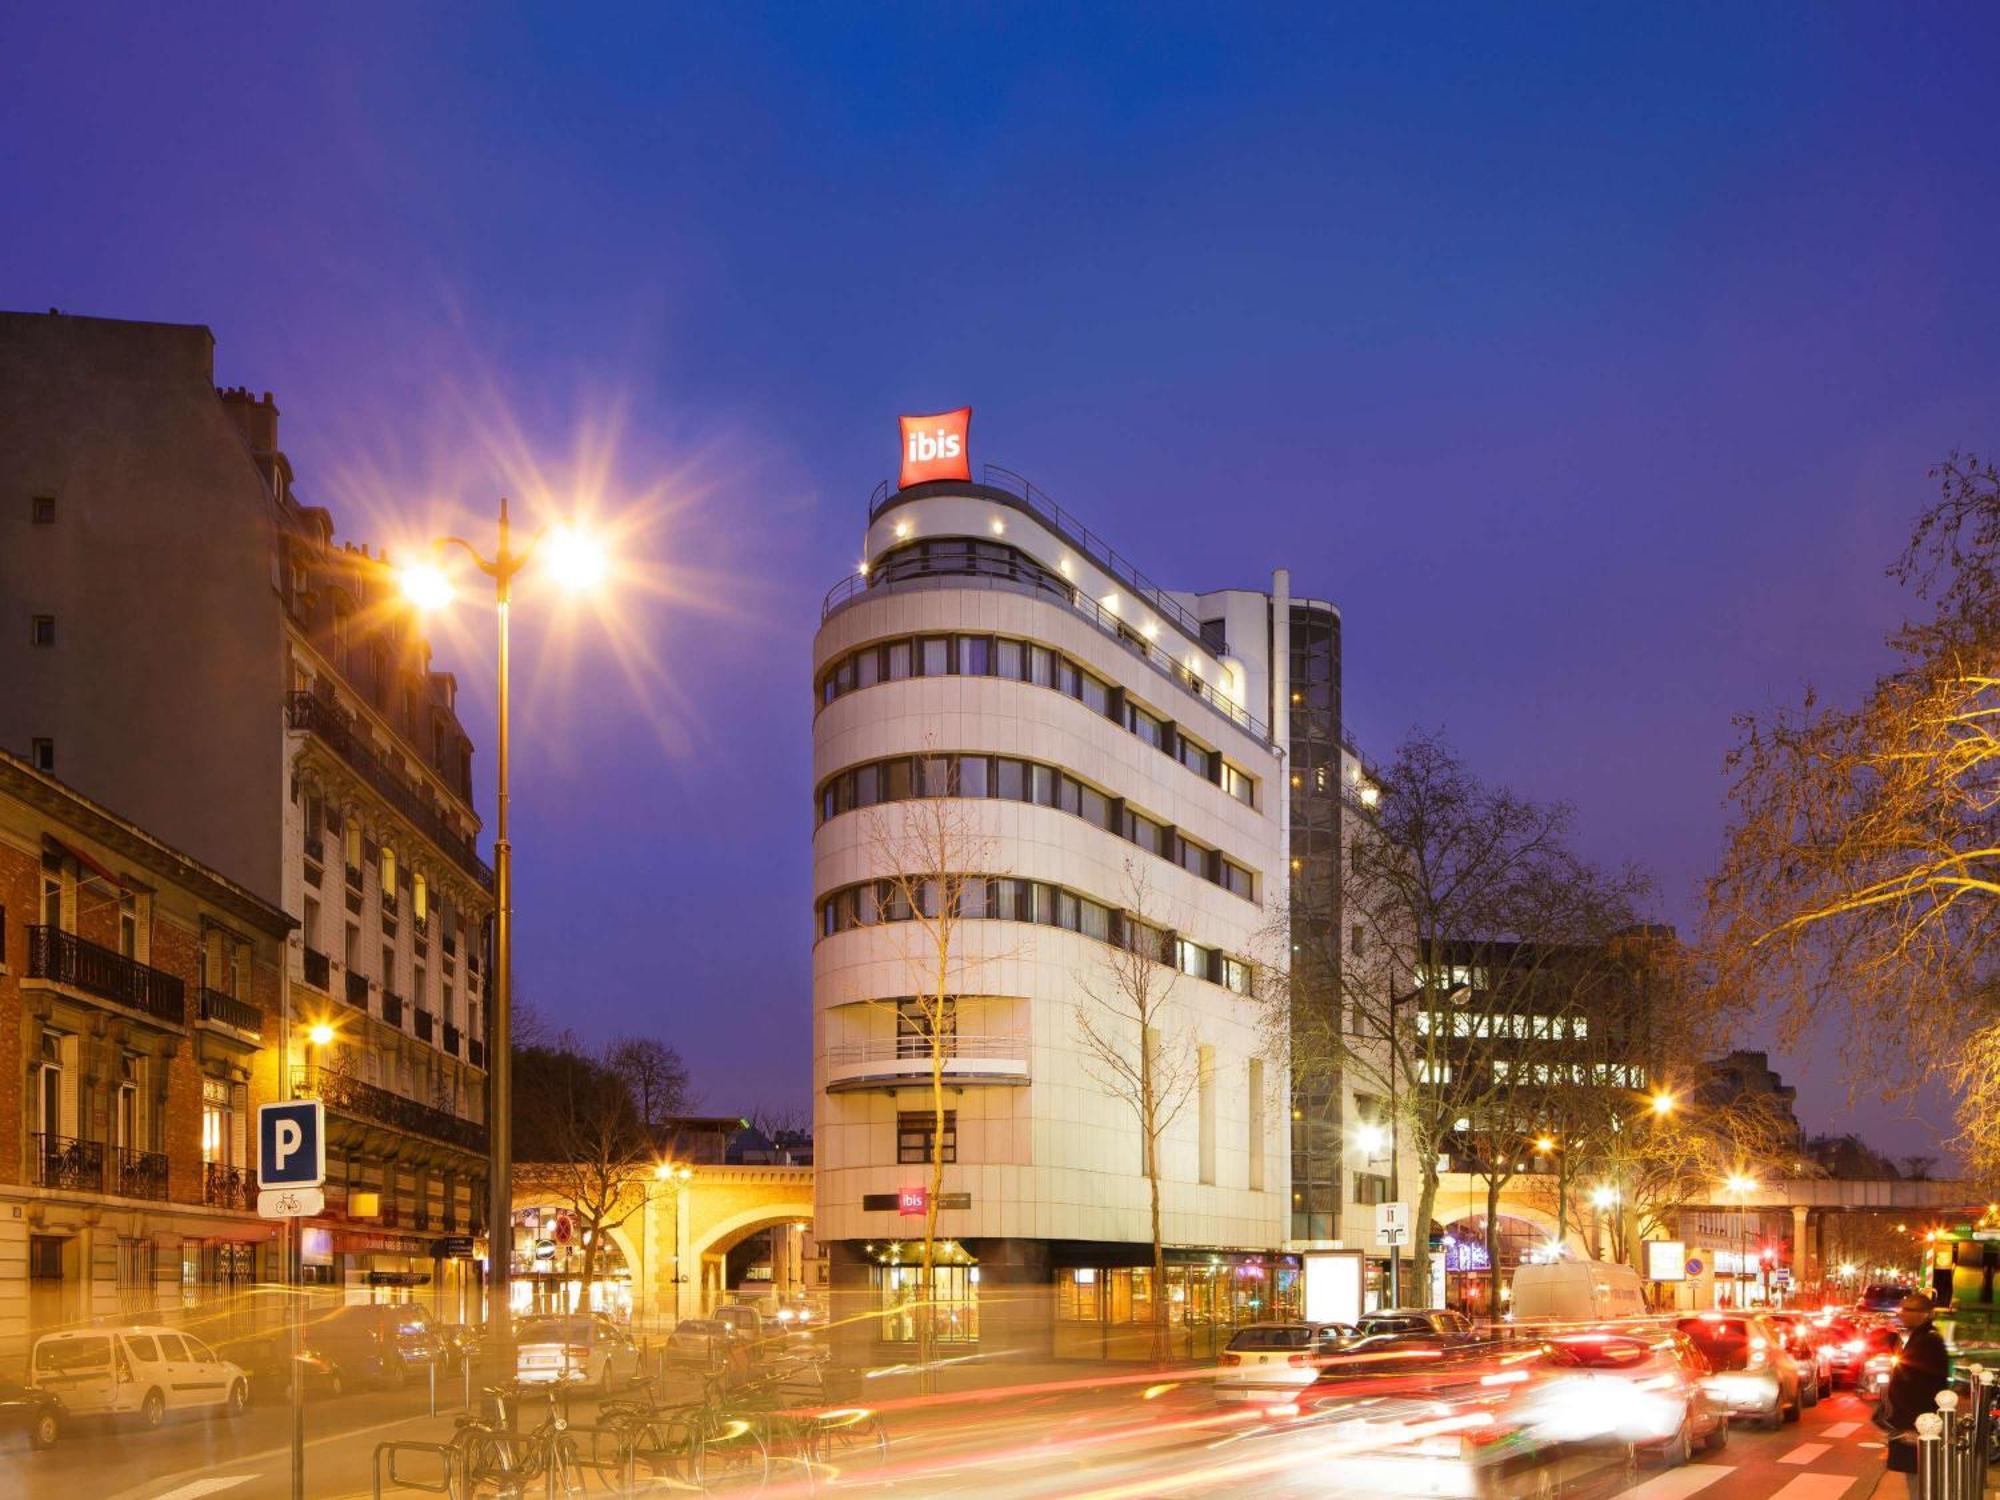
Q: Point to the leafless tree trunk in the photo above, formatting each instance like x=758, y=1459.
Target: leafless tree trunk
x=1137, y=1048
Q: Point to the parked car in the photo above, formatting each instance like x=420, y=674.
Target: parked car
x=459, y=1342
x=1575, y=1291
x=709, y=1343
x=36, y=1416
x=267, y=1360
x=1884, y=1296
x=586, y=1349
x=1645, y=1389
x=1275, y=1361
x=1437, y=1324
x=1751, y=1372
x=141, y=1371
x=1808, y=1342
x=375, y=1343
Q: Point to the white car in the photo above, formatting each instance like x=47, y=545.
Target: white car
x=1276, y=1361
x=585, y=1349
x=141, y=1370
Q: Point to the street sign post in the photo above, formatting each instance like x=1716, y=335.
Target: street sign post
x=291, y=1177
x=1392, y=1223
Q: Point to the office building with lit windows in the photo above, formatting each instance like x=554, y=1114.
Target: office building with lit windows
x=1117, y=759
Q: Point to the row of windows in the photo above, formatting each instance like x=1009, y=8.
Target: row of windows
x=905, y=777
x=1484, y=1025
x=1005, y=899
x=1024, y=661
x=1621, y=1075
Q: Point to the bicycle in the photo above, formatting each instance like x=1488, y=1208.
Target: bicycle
x=491, y=1459
x=705, y=1444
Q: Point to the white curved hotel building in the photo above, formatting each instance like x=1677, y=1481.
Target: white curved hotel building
x=1106, y=745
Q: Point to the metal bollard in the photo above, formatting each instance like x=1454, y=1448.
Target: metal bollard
x=1985, y=1391
x=1948, y=1467
x=1930, y=1484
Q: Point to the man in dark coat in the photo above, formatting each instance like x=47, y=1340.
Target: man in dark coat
x=1923, y=1368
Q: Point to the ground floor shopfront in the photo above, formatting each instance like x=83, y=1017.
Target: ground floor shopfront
x=1055, y=1298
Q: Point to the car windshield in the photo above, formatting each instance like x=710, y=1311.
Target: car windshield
x=1284, y=1336
x=1372, y=1327
x=59, y=1356
x=1724, y=1341
x=1593, y=1352
x=556, y=1331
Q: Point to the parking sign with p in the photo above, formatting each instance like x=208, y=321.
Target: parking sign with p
x=291, y=1144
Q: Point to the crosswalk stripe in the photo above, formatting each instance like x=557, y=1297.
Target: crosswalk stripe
x=196, y=1489
x=1805, y=1453
x=1840, y=1429
x=1822, y=1486
x=1678, y=1484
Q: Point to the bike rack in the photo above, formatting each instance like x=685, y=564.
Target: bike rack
x=397, y=1481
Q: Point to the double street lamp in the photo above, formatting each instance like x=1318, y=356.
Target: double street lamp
x=578, y=564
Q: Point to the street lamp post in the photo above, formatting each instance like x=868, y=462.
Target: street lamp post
x=427, y=587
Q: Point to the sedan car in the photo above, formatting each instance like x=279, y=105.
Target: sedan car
x=30, y=1415
x=586, y=1349
x=710, y=1344
x=1275, y=1361
x=1751, y=1374
x=1646, y=1389
x=1807, y=1341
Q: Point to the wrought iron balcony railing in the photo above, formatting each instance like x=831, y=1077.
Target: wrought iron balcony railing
x=68, y=959
x=139, y=1174
x=346, y=1095
x=230, y=1011
x=62, y=1161
x=309, y=712
x=224, y=1186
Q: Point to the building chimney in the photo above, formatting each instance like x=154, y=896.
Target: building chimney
x=256, y=420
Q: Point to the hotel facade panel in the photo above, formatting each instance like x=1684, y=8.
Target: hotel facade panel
x=1115, y=757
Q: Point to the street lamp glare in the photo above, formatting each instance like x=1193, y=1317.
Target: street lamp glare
x=1604, y=1197
x=1544, y=1145
x=1663, y=1104
x=1742, y=1185
x=663, y=1171
x=575, y=560
x=321, y=1035
x=425, y=586
x=1369, y=1138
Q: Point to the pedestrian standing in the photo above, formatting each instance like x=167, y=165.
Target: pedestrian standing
x=1922, y=1369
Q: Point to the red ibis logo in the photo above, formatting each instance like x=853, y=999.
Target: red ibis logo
x=936, y=447
x=913, y=1201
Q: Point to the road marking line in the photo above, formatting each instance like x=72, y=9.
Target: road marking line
x=1822, y=1486
x=202, y=1487
x=1840, y=1429
x=1805, y=1453
x=1678, y=1484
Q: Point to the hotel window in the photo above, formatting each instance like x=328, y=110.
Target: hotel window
x=936, y=655
x=1191, y=959
x=975, y=654
x=918, y=1020
x=1238, y=785
x=1150, y=729
x=1239, y=880
x=1236, y=975
x=1007, y=660
x=916, y=1130
x=42, y=630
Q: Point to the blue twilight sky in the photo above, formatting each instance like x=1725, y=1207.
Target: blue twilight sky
x=1590, y=357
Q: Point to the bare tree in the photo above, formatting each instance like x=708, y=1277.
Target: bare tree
x=1863, y=861
x=934, y=865
x=1137, y=1048
x=581, y=1140
x=654, y=1073
x=1450, y=884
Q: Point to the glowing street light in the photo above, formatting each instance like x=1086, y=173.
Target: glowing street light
x=1604, y=1197
x=321, y=1035
x=1544, y=1145
x=1663, y=1104
x=576, y=562
x=1371, y=1139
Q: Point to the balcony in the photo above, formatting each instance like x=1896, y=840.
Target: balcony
x=363, y=1101
x=224, y=1186
x=906, y=1061
x=64, y=958
x=62, y=1161
x=139, y=1174
x=230, y=1011
x=451, y=1038
x=357, y=990
x=313, y=714
x=426, y=1025
x=392, y=1008
x=319, y=971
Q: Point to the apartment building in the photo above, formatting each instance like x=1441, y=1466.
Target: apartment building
x=1125, y=762
x=185, y=640
x=140, y=1010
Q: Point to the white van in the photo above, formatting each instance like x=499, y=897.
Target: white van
x=1576, y=1291
x=147, y=1371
